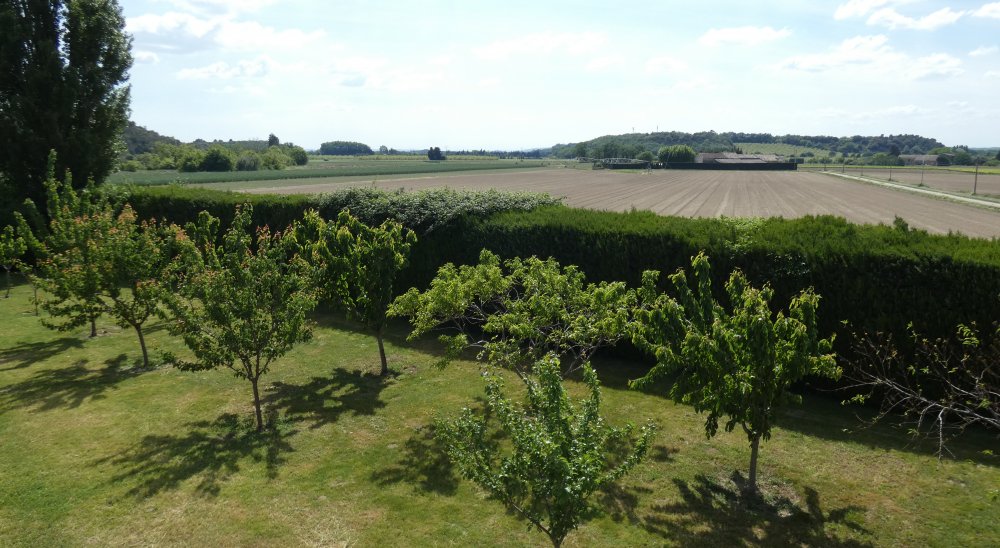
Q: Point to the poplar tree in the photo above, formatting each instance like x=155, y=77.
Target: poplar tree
x=63, y=72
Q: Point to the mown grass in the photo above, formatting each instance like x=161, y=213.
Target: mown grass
x=97, y=451
x=340, y=167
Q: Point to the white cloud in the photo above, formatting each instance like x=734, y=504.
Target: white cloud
x=146, y=57
x=992, y=74
x=170, y=22
x=226, y=6
x=745, y=36
x=225, y=71
x=873, y=54
x=983, y=50
x=988, y=10
x=544, y=43
x=604, y=62
x=252, y=36
x=860, y=50
x=892, y=19
x=938, y=65
x=662, y=64
x=860, y=8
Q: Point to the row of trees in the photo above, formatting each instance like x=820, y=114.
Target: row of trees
x=345, y=148
x=632, y=144
x=542, y=321
x=239, y=299
x=218, y=156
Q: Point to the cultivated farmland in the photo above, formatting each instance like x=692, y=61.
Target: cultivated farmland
x=705, y=194
x=949, y=180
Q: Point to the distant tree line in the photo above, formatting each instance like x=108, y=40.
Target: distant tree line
x=216, y=156
x=632, y=144
x=344, y=148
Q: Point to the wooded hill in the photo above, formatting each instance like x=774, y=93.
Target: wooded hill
x=631, y=144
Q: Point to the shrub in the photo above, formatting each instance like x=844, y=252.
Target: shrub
x=217, y=158
x=248, y=161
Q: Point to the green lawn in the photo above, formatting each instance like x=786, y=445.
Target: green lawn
x=326, y=167
x=98, y=452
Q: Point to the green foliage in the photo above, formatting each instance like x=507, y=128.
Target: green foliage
x=735, y=364
x=559, y=453
x=344, y=148
x=680, y=154
x=243, y=303
x=645, y=156
x=275, y=158
x=217, y=158
x=64, y=67
x=525, y=309
x=11, y=248
x=434, y=153
x=357, y=265
x=297, y=154
x=248, y=161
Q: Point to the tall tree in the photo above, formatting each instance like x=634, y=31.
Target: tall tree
x=272, y=140
x=64, y=67
x=734, y=364
x=242, y=304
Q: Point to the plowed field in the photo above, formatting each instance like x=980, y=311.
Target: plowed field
x=707, y=194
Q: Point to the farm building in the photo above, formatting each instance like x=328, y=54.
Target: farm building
x=921, y=159
x=735, y=158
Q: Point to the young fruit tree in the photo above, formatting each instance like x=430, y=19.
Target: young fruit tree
x=241, y=304
x=357, y=265
x=11, y=248
x=559, y=452
x=71, y=224
x=735, y=364
x=522, y=309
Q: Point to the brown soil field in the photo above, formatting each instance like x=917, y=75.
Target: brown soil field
x=707, y=194
x=940, y=179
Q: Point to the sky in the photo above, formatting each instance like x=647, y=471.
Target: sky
x=528, y=74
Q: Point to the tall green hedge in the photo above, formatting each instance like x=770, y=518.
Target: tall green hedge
x=874, y=277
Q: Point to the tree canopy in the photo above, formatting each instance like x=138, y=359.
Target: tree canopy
x=65, y=67
x=344, y=148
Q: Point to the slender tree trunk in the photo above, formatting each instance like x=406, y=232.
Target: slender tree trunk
x=93, y=326
x=752, y=482
x=142, y=343
x=381, y=353
x=256, y=405
x=556, y=542
x=34, y=288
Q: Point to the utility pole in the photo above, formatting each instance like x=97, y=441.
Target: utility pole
x=975, y=182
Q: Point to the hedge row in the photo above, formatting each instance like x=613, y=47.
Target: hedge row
x=874, y=277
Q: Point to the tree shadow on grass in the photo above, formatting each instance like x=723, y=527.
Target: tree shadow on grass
x=67, y=387
x=424, y=463
x=323, y=400
x=25, y=354
x=209, y=452
x=717, y=513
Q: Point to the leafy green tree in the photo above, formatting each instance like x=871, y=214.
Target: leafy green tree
x=275, y=158
x=358, y=265
x=297, y=154
x=580, y=150
x=12, y=246
x=243, y=303
x=434, y=153
x=560, y=452
x=735, y=364
x=71, y=225
x=217, y=158
x=272, y=140
x=677, y=154
x=524, y=309
x=997, y=157
x=645, y=156
x=64, y=68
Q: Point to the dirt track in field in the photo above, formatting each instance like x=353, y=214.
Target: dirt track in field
x=948, y=180
x=711, y=194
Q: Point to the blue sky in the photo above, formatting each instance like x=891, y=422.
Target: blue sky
x=511, y=75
